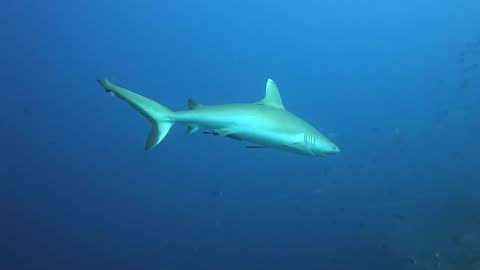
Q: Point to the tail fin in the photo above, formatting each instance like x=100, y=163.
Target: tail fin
x=159, y=116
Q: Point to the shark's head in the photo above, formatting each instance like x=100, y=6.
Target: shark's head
x=323, y=146
x=314, y=144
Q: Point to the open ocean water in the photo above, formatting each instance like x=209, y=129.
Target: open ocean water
x=395, y=84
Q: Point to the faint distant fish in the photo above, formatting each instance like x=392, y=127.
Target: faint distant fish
x=326, y=171
x=468, y=46
x=470, y=68
x=443, y=113
x=384, y=245
x=463, y=84
x=217, y=194
x=462, y=56
x=26, y=111
x=455, y=239
x=333, y=260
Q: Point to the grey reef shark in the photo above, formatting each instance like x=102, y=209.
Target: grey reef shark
x=265, y=123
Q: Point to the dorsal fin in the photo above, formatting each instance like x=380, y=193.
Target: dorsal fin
x=193, y=104
x=272, y=96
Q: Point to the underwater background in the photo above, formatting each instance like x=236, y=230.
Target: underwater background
x=395, y=84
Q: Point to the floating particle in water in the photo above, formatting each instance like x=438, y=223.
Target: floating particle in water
x=218, y=224
x=384, y=245
x=390, y=193
x=27, y=112
x=334, y=222
x=455, y=239
x=327, y=171
x=375, y=129
x=399, y=216
x=442, y=114
x=333, y=260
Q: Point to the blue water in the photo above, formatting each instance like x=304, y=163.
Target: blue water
x=394, y=84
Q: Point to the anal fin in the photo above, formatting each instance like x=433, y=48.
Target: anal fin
x=192, y=128
x=223, y=133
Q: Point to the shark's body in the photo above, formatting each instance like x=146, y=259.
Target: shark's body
x=265, y=123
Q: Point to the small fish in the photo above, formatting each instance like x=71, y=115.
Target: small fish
x=333, y=260
x=455, y=239
x=218, y=194
x=26, y=111
x=443, y=113
x=384, y=245
x=464, y=84
x=470, y=68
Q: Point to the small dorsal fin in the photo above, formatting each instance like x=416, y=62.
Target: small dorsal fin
x=193, y=104
x=272, y=96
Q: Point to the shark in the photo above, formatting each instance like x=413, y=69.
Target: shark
x=265, y=123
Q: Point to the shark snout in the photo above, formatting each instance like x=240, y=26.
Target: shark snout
x=335, y=149
x=329, y=149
